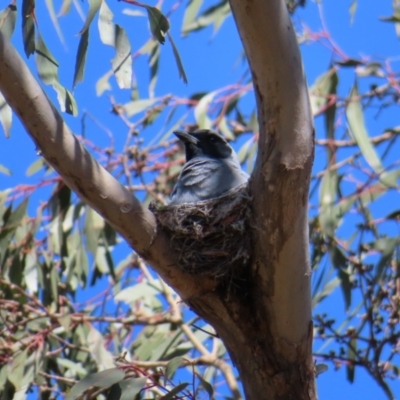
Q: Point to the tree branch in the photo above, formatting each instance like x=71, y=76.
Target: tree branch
x=86, y=176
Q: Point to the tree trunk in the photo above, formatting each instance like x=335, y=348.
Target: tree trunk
x=265, y=323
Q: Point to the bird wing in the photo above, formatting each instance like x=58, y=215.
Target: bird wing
x=197, y=170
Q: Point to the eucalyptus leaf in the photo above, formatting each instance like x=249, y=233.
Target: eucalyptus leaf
x=8, y=17
x=103, y=379
x=159, y=24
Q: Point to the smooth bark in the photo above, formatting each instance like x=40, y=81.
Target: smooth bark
x=266, y=324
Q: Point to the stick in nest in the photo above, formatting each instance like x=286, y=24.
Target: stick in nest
x=211, y=237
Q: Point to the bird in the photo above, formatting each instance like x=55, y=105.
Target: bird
x=211, y=169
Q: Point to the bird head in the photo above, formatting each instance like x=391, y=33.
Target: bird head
x=204, y=143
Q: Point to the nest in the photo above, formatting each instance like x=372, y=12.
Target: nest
x=211, y=237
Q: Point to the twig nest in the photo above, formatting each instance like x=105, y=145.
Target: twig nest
x=211, y=237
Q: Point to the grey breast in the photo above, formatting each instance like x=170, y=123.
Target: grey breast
x=204, y=178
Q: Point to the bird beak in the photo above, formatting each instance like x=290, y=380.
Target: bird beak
x=186, y=137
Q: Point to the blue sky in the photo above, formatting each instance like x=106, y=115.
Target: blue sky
x=210, y=63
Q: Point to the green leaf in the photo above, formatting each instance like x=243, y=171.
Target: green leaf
x=54, y=20
x=371, y=69
x=320, y=369
x=36, y=166
x=99, y=353
x=216, y=15
x=323, y=86
x=393, y=215
x=154, y=62
x=328, y=216
x=351, y=355
x=392, y=18
x=103, y=83
x=131, y=387
x=8, y=17
x=387, y=247
x=352, y=10
x=132, y=293
x=106, y=25
x=159, y=24
x=5, y=116
x=28, y=26
x=135, y=107
x=94, y=224
x=171, y=367
x=94, y=6
x=65, y=7
x=16, y=369
x=48, y=71
x=122, y=62
x=173, y=392
x=113, y=35
x=200, y=111
x=355, y=117
x=103, y=379
x=340, y=263
x=207, y=386
x=328, y=288
x=181, y=70
x=225, y=130
x=350, y=63
x=4, y=170
x=81, y=58
x=189, y=17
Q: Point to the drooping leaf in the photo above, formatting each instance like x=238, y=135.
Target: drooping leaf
x=16, y=369
x=325, y=291
x=94, y=7
x=132, y=293
x=355, y=117
x=65, y=7
x=28, y=26
x=352, y=10
x=173, y=392
x=214, y=15
x=207, y=386
x=106, y=25
x=4, y=170
x=8, y=17
x=387, y=246
x=113, y=35
x=182, y=73
x=48, y=71
x=154, y=62
x=103, y=379
x=201, y=109
x=320, y=369
x=351, y=355
x=172, y=366
x=191, y=12
x=54, y=19
x=324, y=86
x=138, y=106
x=5, y=116
x=341, y=264
x=159, y=24
x=103, y=83
x=122, y=62
x=80, y=61
x=350, y=63
x=328, y=217
x=131, y=387
x=103, y=358
x=36, y=166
